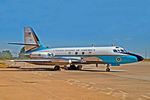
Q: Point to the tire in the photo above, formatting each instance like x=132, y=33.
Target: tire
x=73, y=67
x=79, y=67
x=65, y=67
x=108, y=70
x=56, y=68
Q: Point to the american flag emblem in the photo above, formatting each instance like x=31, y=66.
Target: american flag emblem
x=27, y=34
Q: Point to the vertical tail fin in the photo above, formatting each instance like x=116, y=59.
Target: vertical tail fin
x=31, y=41
x=30, y=38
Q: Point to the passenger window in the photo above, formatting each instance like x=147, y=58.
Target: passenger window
x=49, y=54
x=76, y=53
x=90, y=52
x=82, y=53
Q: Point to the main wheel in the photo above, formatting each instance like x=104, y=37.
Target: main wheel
x=79, y=67
x=65, y=67
x=108, y=70
x=73, y=67
x=56, y=68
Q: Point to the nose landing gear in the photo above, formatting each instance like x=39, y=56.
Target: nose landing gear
x=108, y=68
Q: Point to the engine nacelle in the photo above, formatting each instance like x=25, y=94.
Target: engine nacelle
x=41, y=55
x=75, y=61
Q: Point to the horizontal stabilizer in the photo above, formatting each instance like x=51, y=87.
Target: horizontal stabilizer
x=23, y=44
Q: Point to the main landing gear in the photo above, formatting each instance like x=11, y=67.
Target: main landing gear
x=108, y=68
x=72, y=67
x=57, y=67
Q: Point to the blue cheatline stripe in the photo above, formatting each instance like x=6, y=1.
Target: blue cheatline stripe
x=123, y=59
x=38, y=49
x=39, y=43
x=113, y=59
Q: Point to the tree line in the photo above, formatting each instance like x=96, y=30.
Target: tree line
x=6, y=54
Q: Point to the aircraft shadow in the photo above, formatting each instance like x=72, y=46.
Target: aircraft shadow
x=100, y=70
x=36, y=69
x=28, y=69
x=51, y=69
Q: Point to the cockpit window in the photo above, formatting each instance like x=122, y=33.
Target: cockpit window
x=122, y=50
x=119, y=51
x=115, y=50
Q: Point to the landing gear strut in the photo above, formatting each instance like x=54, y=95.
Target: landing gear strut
x=108, y=69
x=79, y=67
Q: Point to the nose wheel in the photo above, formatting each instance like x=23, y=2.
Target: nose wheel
x=108, y=68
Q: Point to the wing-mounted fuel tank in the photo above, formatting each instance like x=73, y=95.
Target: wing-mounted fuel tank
x=41, y=55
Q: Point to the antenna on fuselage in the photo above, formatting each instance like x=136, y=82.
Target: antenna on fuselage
x=92, y=45
x=113, y=45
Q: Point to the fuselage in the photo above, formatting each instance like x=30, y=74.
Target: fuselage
x=41, y=55
x=107, y=55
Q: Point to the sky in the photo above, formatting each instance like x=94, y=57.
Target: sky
x=124, y=23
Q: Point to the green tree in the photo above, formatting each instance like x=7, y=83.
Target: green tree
x=6, y=55
x=21, y=54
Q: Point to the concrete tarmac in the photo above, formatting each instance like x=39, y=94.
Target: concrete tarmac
x=128, y=82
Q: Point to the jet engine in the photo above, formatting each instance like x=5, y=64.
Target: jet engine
x=41, y=55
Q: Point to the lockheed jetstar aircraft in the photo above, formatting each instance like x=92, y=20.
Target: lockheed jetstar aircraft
x=75, y=57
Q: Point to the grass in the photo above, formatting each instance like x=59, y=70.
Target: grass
x=3, y=65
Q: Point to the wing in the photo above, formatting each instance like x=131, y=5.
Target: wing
x=31, y=60
x=35, y=61
x=62, y=61
x=50, y=61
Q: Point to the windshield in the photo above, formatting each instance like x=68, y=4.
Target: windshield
x=120, y=51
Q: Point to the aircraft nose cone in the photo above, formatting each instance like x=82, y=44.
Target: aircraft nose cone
x=140, y=58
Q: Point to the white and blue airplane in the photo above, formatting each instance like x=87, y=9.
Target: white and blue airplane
x=74, y=56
